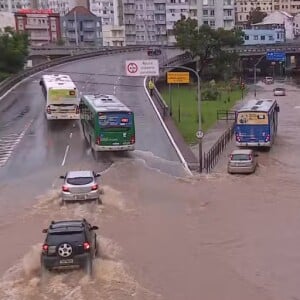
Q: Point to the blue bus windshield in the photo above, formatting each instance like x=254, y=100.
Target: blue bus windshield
x=115, y=119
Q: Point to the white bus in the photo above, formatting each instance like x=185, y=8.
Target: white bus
x=62, y=97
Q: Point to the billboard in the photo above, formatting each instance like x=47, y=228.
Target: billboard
x=252, y=118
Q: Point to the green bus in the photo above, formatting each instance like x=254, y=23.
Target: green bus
x=107, y=123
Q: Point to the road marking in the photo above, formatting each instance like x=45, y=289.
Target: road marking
x=65, y=156
x=9, y=142
x=297, y=107
x=116, y=84
x=71, y=135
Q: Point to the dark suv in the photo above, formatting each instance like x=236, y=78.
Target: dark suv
x=69, y=244
x=153, y=51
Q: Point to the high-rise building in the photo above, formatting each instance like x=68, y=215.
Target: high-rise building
x=145, y=21
x=174, y=10
x=243, y=9
x=14, y=5
x=218, y=13
x=111, y=13
x=61, y=6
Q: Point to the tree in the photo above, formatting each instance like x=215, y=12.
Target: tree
x=14, y=51
x=207, y=44
x=256, y=16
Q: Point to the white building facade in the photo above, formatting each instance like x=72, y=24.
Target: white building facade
x=14, y=5
x=243, y=8
x=174, y=10
x=7, y=19
x=111, y=13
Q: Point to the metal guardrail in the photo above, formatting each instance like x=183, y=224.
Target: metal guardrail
x=177, y=60
x=13, y=80
x=243, y=50
x=211, y=157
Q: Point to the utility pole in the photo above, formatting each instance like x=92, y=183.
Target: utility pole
x=255, y=73
x=76, y=28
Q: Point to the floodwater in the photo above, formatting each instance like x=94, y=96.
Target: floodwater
x=210, y=237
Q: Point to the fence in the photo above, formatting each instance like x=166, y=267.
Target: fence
x=211, y=157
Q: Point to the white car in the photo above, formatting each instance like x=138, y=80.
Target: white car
x=279, y=91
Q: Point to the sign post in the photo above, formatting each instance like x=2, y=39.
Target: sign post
x=148, y=67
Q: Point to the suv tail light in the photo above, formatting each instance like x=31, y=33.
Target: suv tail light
x=77, y=109
x=267, y=138
x=45, y=248
x=132, y=139
x=86, y=245
x=94, y=187
x=98, y=140
x=65, y=188
x=48, y=110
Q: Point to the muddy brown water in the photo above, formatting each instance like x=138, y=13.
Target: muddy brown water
x=210, y=237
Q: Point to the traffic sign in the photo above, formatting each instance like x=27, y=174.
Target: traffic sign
x=199, y=134
x=178, y=77
x=149, y=67
x=276, y=56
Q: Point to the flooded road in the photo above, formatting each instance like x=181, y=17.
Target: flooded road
x=212, y=237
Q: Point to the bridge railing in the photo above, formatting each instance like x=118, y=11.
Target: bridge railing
x=10, y=82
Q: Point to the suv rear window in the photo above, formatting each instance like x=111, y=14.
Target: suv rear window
x=240, y=157
x=68, y=237
x=80, y=180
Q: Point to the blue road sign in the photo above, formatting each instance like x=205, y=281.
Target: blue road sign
x=276, y=56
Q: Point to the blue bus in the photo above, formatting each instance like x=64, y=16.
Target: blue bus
x=256, y=123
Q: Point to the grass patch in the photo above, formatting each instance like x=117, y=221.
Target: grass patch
x=185, y=108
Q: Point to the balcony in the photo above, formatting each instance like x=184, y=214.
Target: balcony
x=129, y=22
x=40, y=38
x=130, y=32
x=160, y=22
x=129, y=11
x=128, y=2
x=228, y=18
x=36, y=26
x=159, y=1
x=159, y=11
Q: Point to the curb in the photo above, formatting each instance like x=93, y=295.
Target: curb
x=183, y=161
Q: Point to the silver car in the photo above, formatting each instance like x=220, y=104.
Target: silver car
x=81, y=186
x=279, y=91
x=242, y=161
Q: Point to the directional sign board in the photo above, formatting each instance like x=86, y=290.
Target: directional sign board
x=148, y=67
x=178, y=77
x=276, y=56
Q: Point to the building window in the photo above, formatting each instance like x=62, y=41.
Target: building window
x=262, y=37
x=205, y=12
x=212, y=12
x=271, y=38
x=246, y=37
x=256, y=37
x=212, y=23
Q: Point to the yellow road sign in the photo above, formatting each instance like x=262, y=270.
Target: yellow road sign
x=178, y=77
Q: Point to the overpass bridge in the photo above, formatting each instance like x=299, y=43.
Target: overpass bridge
x=243, y=51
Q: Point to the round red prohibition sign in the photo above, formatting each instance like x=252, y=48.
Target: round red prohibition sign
x=132, y=68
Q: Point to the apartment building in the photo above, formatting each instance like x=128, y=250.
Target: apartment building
x=7, y=19
x=80, y=27
x=42, y=26
x=111, y=13
x=14, y=5
x=243, y=9
x=61, y=6
x=145, y=21
x=218, y=13
x=174, y=10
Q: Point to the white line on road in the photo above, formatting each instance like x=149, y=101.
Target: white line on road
x=116, y=84
x=6, y=151
x=71, y=135
x=183, y=161
x=65, y=156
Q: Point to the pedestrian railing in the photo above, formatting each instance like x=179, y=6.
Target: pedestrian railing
x=211, y=157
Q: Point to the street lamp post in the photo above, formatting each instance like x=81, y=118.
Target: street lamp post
x=199, y=109
x=255, y=73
